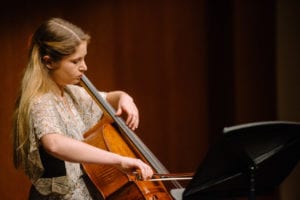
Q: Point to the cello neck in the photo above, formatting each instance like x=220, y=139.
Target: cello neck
x=137, y=144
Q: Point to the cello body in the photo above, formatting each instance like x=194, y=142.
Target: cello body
x=112, y=183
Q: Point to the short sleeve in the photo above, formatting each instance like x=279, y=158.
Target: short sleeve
x=45, y=118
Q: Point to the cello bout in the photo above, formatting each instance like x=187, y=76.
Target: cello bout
x=112, y=183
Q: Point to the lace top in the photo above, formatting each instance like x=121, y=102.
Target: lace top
x=49, y=114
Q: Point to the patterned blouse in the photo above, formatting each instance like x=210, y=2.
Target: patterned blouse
x=50, y=115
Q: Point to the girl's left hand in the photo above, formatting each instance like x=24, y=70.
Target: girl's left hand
x=127, y=106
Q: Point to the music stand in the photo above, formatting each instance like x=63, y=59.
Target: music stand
x=248, y=159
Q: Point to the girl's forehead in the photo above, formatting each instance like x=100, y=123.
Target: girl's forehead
x=80, y=51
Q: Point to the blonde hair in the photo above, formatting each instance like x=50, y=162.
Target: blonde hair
x=55, y=38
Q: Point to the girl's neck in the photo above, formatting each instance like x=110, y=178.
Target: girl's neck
x=59, y=90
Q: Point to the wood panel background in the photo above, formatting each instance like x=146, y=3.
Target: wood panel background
x=192, y=67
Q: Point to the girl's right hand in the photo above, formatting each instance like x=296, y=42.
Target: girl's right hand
x=131, y=165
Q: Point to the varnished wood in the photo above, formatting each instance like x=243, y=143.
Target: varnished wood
x=112, y=134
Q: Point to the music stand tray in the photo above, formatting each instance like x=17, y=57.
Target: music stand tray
x=248, y=159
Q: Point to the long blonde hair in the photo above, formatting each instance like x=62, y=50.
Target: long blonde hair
x=55, y=38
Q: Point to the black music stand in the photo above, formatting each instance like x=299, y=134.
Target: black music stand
x=248, y=159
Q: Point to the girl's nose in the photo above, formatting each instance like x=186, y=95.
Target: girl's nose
x=83, y=66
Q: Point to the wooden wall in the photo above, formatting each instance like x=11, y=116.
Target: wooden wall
x=192, y=67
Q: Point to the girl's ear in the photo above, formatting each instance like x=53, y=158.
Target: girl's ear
x=48, y=62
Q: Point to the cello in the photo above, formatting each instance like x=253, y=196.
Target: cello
x=112, y=134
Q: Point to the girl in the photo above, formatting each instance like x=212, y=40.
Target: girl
x=52, y=113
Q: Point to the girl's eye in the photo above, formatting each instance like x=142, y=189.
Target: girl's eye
x=75, y=61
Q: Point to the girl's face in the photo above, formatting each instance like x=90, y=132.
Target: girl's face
x=70, y=69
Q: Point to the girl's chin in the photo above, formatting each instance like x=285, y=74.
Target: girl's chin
x=76, y=82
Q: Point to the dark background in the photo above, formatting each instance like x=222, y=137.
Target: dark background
x=193, y=68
